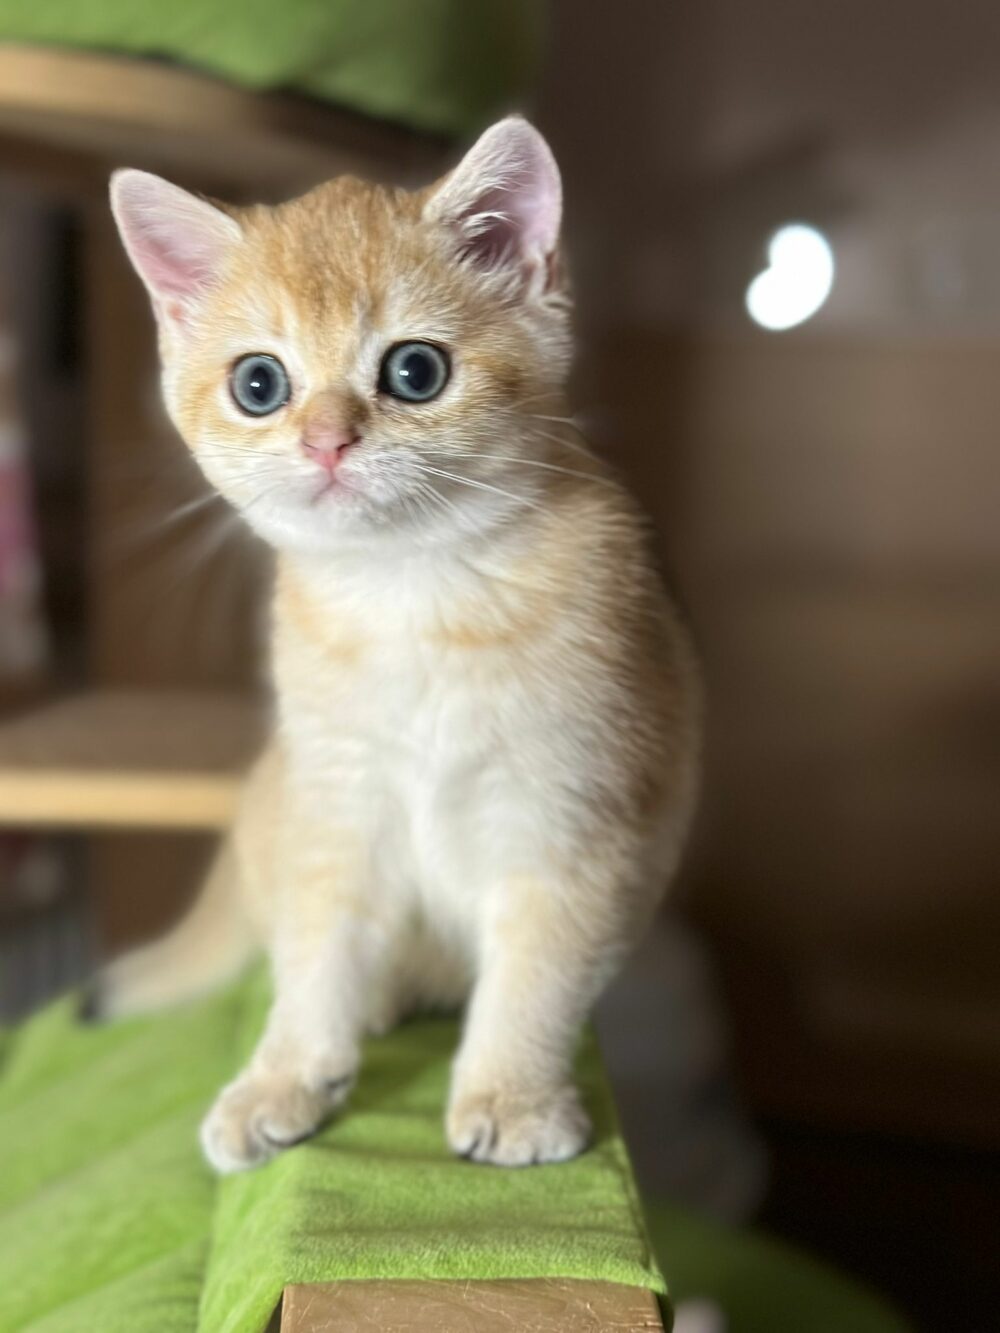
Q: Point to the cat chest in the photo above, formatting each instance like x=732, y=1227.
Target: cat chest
x=414, y=756
x=399, y=703
x=430, y=753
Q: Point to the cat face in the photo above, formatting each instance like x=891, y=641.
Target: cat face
x=364, y=361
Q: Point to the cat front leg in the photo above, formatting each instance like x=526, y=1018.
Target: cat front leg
x=546, y=956
x=330, y=934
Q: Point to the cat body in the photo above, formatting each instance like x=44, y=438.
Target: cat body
x=484, y=758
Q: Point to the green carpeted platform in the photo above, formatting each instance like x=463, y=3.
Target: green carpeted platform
x=109, y=1219
x=760, y=1284
x=439, y=65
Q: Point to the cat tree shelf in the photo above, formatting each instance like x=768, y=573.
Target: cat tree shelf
x=174, y=118
x=128, y=759
x=550, y=1305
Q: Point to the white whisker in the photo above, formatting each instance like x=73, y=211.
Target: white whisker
x=584, y=448
x=262, y=495
x=224, y=450
x=525, y=462
x=478, y=485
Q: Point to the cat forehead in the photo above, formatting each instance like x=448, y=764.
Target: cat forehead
x=347, y=250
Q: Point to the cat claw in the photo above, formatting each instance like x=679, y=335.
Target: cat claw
x=259, y=1116
x=518, y=1129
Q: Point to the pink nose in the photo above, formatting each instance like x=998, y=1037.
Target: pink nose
x=327, y=447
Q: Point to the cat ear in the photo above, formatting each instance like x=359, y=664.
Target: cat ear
x=504, y=201
x=177, y=242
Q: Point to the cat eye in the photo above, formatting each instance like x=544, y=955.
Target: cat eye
x=259, y=385
x=414, y=372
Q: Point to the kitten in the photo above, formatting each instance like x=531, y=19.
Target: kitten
x=484, y=760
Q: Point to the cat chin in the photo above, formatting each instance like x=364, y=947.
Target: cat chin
x=338, y=524
x=310, y=529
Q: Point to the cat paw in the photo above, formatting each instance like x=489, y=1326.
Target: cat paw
x=518, y=1128
x=260, y=1115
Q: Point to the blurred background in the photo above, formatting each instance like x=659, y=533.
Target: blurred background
x=784, y=228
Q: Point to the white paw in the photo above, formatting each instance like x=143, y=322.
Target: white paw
x=260, y=1115
x=518, y=1128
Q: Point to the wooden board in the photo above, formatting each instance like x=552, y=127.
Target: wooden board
x=128, y=759
x=146, y=113
x=549, y=1305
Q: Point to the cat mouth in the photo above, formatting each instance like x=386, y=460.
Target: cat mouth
x=334, y=485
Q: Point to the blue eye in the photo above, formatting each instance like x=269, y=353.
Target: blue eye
x=414, y=372
x=259, y=385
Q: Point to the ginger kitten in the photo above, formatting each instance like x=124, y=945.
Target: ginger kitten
x=484, y=759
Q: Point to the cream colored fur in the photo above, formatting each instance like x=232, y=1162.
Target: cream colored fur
x=485, y=755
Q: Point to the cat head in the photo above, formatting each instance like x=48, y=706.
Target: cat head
x=364, y=360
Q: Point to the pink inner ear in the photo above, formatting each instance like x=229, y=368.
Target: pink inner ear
x=177, y=242
x=169, y=265
x=505, y=197
x=521, y=218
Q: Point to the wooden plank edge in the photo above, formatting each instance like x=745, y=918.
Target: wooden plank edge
x=83, y=799
x=537, y=1305
x=49, y=82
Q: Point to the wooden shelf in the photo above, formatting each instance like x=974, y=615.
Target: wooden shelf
x=137, y=112
x=548, y=1305
x=128, y=759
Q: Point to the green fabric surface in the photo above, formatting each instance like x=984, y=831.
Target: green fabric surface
x=109, y=1219
x=439, y=65
x=762, y=1285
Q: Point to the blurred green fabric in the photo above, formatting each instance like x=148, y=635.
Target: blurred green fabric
x=761, y=1284
x=109, y=1219
x=444, y=66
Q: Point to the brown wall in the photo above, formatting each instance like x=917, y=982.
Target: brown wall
x=827, y=507
x=826, y=500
